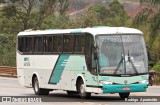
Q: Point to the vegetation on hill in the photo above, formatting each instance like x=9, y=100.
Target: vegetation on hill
x=148, y=20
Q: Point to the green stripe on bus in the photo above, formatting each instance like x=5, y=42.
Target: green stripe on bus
x=58, y=70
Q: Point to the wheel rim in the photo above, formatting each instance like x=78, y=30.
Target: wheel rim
x=82, y=90
x=36, y=86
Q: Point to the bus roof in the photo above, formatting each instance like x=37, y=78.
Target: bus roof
x=94, y=31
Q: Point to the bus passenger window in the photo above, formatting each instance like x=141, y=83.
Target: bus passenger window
x=38, y=44
x=68, y=43
x=47, y=44
x=79, y=43
x=21, y=44
x=57, y=43
x=28, y=44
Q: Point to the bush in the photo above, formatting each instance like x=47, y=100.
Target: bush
x=157, y=67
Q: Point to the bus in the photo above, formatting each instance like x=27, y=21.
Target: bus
x=83, y=61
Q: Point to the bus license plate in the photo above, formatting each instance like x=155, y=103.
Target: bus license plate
x=126, y=88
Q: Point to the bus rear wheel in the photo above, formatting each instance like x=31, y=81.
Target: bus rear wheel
x=37, y=90
x=81, y=90
x=124, y=95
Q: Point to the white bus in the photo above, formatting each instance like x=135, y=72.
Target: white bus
x=83, y=61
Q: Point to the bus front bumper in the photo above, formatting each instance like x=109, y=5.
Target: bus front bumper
x=124, y=88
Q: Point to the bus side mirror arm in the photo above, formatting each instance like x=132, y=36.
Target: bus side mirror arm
x=94, y=58
x=94, y=49
x=95, y=55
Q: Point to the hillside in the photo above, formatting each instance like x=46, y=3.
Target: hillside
x=78, y=7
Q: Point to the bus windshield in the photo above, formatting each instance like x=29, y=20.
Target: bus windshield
x=122, y=54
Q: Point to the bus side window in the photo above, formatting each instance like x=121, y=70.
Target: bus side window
x=38, y=44
x=57, y=43
x=28, y=44
x=50, y=44
x=79, y=43
x=47, y=44
x=68, y=43
x=21, y=44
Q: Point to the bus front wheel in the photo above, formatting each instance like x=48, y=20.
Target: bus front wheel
x=37, y=90
x=124, y=95
x=81, y=90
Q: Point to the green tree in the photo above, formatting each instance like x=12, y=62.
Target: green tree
x=149, y=18
x=64, y=4
x=93, y=16
x=57, y=22
x=3, y=1
x=118, y=16
x=150, y=15
x=32, y=13
x=19, y=15
x=98, y=14
x=7, y=52
x=46, y=9
x=20, y=11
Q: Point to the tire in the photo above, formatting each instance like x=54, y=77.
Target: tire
x=151, y=83
x=37, y=90
x=124, y=95
x=81, y=90
x=70, y=93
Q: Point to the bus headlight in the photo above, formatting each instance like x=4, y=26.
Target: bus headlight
x=144, y=81
x=105, y=82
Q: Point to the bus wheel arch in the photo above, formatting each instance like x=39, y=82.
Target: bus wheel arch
x=80, y=86
x=33, y=77
x=77, y=82
x=36, y=88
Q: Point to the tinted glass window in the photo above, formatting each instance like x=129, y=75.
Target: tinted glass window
x=47, y=44
x=28, y=44
x=21, y=44
x=79, y=43
x=57, y=43
x=68, y=43
x=38, y=44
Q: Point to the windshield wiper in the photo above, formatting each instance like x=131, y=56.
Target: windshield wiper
x=130, y=61
x=119, y=64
